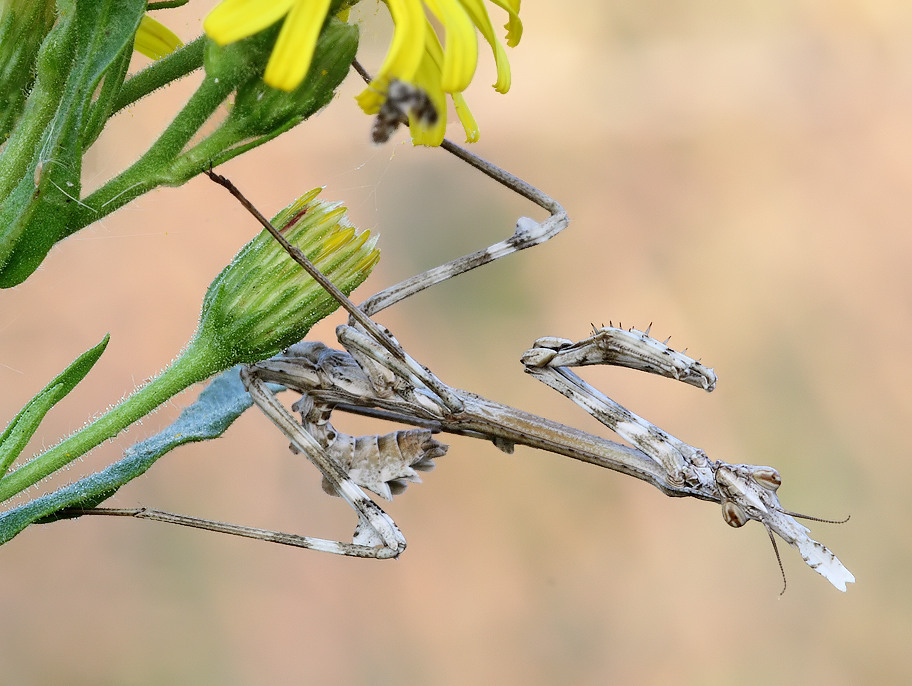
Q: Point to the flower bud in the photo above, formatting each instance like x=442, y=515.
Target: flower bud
x=263, y=301
x=260, y=110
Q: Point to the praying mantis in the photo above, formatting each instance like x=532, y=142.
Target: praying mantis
x=372, y=375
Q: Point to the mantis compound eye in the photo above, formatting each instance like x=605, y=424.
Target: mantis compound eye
x=733, y=514
x=767, y=477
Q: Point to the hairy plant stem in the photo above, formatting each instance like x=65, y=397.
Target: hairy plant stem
x=160, y=73
x=157, y=165
x=196, y=364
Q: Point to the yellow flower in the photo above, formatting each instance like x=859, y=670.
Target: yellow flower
x=233, y=20
x=155, y=40
x=415, y=57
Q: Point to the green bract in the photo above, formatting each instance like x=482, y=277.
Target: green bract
x=263, y=301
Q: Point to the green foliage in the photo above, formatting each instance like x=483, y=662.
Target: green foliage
x=79, y=83
x=223, y=401
x=259, y=304
x=42, y=163
x=24, y=425
x=63, y=75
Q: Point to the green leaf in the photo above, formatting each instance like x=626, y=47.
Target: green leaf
x=223, y=401
x=23, y=27
x=42, y=164
x=23, y=427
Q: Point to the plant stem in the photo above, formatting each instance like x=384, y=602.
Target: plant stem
x=155, y=167
x=160, y=74
x=196, y=364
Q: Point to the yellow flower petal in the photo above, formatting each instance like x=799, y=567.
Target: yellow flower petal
x=406, y=50
x=233, y=20
x=465, y=118
x=514, y=25
x=460, y=56
x=428, y=78
x=415, y=55
x=371, y=98
x=404, y=55
x=367, y=263
x=479, y=15
x=435, y=55
x=294, y=48
x=154, y=39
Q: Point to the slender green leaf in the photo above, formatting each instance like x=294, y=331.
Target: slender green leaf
x=223, y=401
x=23, y=427
x=45, y=162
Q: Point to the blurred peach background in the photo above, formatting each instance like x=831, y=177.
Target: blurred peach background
x=738, y=174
